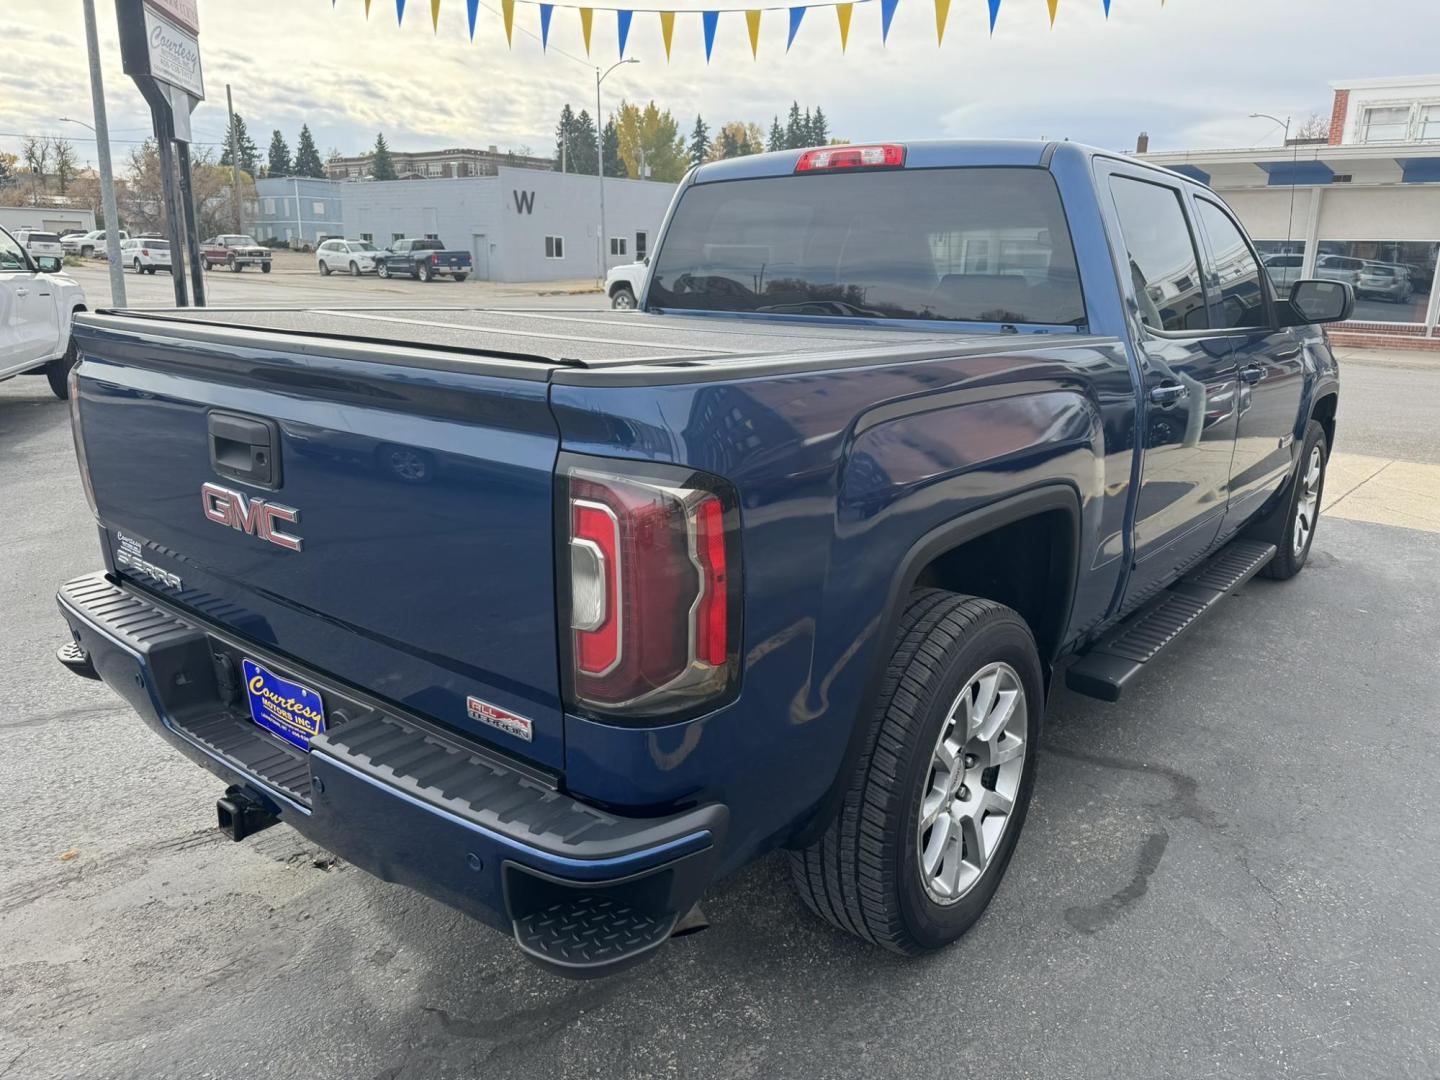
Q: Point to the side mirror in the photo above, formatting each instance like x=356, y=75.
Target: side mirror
x=1322, y=301
x=48, y=264
x=645, y=261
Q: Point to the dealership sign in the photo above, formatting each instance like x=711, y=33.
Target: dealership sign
x=183, y=13
x=157, y=42
x=174, y=55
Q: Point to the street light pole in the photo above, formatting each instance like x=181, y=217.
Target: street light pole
x=600, y=157
x=102, y=155
x=1285, y=138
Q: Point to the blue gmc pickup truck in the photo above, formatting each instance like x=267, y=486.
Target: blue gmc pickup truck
x=559, y=617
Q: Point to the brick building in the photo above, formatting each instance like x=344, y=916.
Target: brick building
x=435, y=164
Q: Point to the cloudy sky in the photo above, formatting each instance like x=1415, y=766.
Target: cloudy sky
x=1189, y=72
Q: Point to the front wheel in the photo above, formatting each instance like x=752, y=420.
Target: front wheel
x=57, y=371
x=382, y=270
x=938, y=798
x=354, y=268
x=623, y=298
x=1292, y=524
x=265, y=268
x=234, y=265
x=324, y=270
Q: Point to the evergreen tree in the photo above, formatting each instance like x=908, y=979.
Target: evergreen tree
x=819, y=129
x=244, y=145
x=777, y=136
x=808, y=127
x=794, y=132
x=614, y=166
x=582, y=145
x=699, y=148
x=565, y=133
x=279, y=164
x=307, y=157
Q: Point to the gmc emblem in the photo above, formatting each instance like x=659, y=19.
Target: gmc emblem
x=249, y=514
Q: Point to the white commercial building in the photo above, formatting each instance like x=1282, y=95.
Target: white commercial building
x=518, y=225
x=1362, y=205
x=56, y=219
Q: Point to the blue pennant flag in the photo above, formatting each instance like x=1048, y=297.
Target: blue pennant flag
x=994, y=11
x=710, y=18
x=545, y=12
x=887, y=12
x=796, y=14
x=1107, y=9
x=399, y=11
x=622, y=19
x=472, y=6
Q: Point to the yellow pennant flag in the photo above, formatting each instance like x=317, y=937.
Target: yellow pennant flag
x=843, y=12
x=752, y=23
x=587, y=18
x=942, y=12
x=507, y=8
x=1053, y=5
x=435, y=15
x=667, y=30
x=367, y=8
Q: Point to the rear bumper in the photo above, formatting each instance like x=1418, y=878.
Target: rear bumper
x=583, y=891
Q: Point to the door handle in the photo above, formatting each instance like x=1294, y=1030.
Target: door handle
x=22, y=292
x=1252, y=374
x=1288, y=353
x=1168, y=393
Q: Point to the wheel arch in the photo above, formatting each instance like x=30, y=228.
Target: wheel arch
x=1053, y=510
x=1323, y=410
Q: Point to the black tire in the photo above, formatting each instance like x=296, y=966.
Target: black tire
x=57, y=371
x=863, y=875
x=382, y=270
x=1278, y=525
x=422, y=272
x=265, y=268
x=459, y=277
x=139, y=269
x=234, y=265
x=324, y=269
x=623, y=298
x=87, y=252
x=354, y=268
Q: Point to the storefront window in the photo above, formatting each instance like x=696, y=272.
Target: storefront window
x=1283, y=261
x=1392, y=278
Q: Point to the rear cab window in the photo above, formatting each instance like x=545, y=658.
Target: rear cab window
x=970, y=244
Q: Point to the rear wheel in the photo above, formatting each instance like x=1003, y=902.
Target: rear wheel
x=139, y=268
x=57, y=371
x=939, y=796
x=423, y=272
x=459, y=277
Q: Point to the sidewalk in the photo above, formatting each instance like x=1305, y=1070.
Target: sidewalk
x=1411, y=358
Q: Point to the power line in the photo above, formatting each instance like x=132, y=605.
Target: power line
x=67, y=137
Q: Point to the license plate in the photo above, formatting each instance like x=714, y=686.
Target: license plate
x=282, y=706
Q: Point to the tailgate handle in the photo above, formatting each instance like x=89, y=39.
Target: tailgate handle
x=245, y=448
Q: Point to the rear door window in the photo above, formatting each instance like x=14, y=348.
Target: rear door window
x=964, y=244
x=1163, y=264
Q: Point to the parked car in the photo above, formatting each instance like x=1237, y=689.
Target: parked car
x=423, y=259
x=146, y=254
x=625, y=283
x=87, y=245
x=234, y=252
x=38, y=303
x=1284, y=269
x=790, y=558
x=1339, y=268
x=1384, y=281
x=356, y=256
x=40, y=243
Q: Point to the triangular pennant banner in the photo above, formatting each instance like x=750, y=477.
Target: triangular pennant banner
x=709, y=19
x=796, y=14
x=843, y=13
x=752, y=23
x=1107, y=9
x=1053, y=5
x=994, y=13
x=507, y=9
x=367, y=8
x=622, y=22
x=546, y=10
x=667, y=30
x=587, y=21
x=472, y=8
x=400, y=11
x=942, y=12
x=887, y=12
x=435, y=15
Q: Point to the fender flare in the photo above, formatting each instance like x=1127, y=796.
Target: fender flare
x=1047, y=498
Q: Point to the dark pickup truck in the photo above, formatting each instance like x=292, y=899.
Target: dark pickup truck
x=423, y=259
x=559, y=617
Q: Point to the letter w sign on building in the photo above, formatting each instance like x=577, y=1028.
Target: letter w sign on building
x=524, y=201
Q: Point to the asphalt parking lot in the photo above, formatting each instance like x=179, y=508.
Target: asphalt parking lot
x=1233, y=873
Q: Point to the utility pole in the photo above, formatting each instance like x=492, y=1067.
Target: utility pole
x=102, y=154
x=234, y=163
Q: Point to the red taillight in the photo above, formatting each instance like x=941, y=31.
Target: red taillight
x=652, y=604
x=878, y=156
x=145, y=252
x=434, y=260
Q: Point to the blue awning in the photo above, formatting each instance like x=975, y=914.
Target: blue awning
x=1285, y=173
x=1191, y=171
x=1420, y=170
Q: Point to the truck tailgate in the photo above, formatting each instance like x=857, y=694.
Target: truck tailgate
x=419, y=500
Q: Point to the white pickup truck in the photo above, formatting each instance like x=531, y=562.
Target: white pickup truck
x=625, y=283
x=37, y=304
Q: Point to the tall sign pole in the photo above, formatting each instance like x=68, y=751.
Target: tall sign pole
x=102, y=155
x=160, y=50
x=234, y=162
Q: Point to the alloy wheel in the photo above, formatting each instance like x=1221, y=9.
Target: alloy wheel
x=1308, y=507
x=973, y=782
